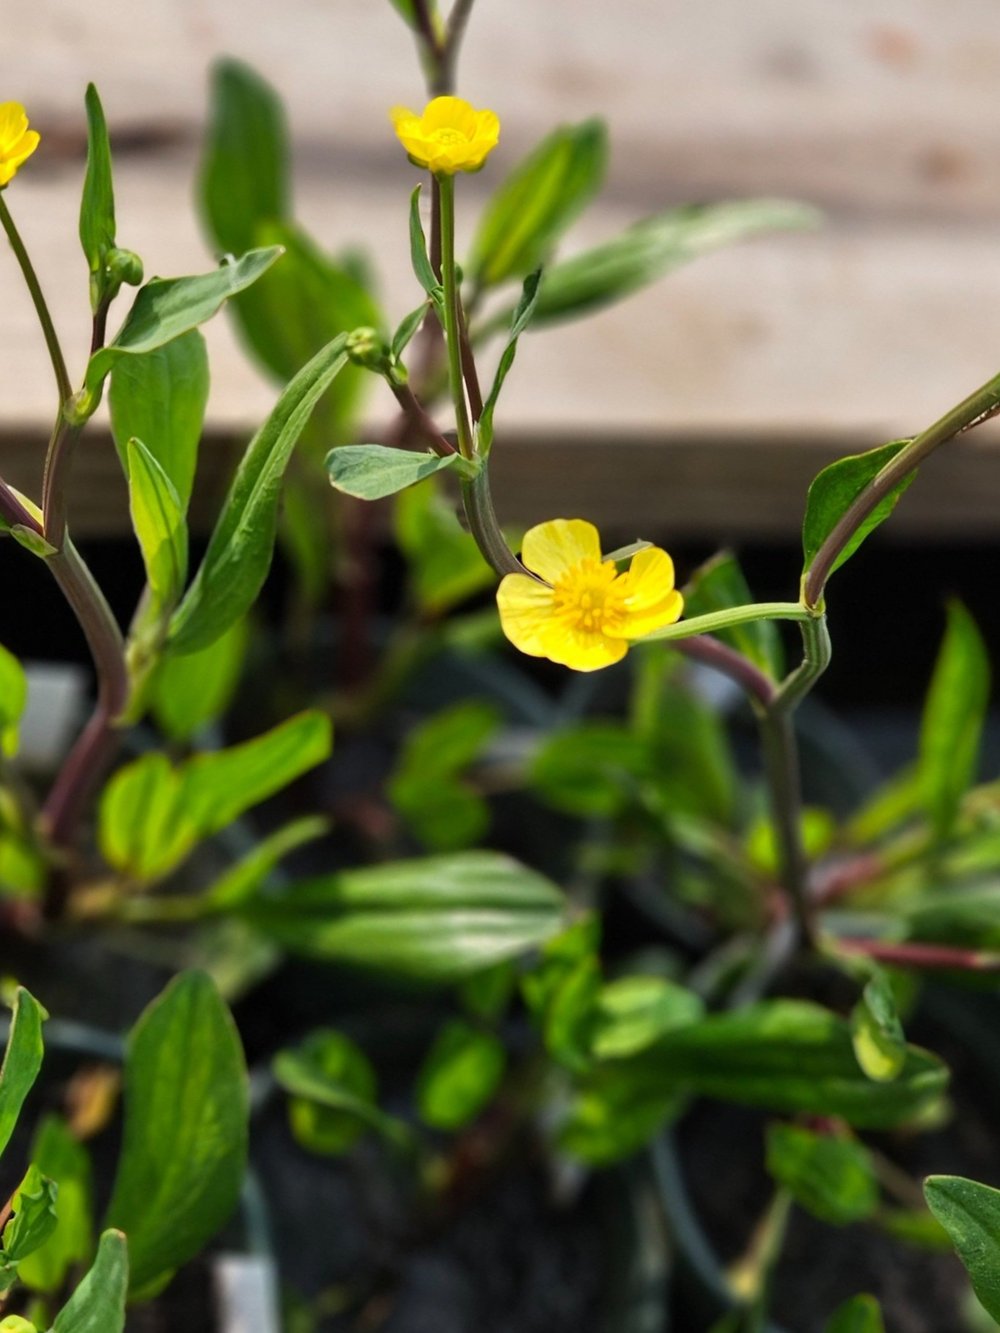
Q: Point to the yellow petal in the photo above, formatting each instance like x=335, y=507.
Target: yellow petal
x=579, y=650
x=550, y=549
x=13, y=123
x=450, y=113
x=525, y=612
x=665, y=612
x=648, y=578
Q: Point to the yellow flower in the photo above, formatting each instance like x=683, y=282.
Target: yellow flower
x=585, y=612
x=450, y=136
x=17, y=142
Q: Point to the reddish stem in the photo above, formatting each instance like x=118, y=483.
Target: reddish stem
x=930, y=957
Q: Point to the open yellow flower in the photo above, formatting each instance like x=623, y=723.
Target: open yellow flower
x=17, y=142
x=450, y=136
x=585, y=612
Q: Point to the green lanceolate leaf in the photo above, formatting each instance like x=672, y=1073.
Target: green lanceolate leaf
x=833, y=491
x=877, y=1033
x=373, y=471
x=166, y=308
x=970, y=1213
x=152, y=812
x=22, y=1060
x=522, y=318
x=192, y=690
x=241, y=547
x=58, y=1155
x=13, y=700
x=34, y=1217
x=830, y=1176
x=158, y=521
x=243, y=879
x=244, y=174
x=650, y=248
x=333, y=1095
x=160, y=398
x=186, y=1125
x=718, y=585
x=861, y=1314
x=426, y=787
x=537, y=202
x=97, y=207
x=98, y=1304
x=635, y=1012
x=433, y=920
x=460, y=1075
x=954, y=713
x=422, y=268
x=786, y=1056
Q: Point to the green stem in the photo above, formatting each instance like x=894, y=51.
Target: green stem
x=768, y=1244
x=38, y=299
x=781, y=770
x=58, y=457
x=486, y=529
x=452, y=325
x=980, y=405
x=734, y=615
x=816, y=653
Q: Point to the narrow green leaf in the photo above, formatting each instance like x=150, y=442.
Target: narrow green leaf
x=244, y=174
x=152, y=813
x=650, y=248
x=22, y=1060
x=460, y=1075
x=219, y=785
x=718, y=585
x=158, y=521
x=861, y=1314
x=634, y=1012
x=191, y=690
x=970, y=1213
x=98, y=1304
x=142, y=830
x=521, y=319
x=34, y=1217
x=408, y=326
x=186, y=1126
x=13, y=700
x=419, y=258
x=160, y=398
x=332, y=1088
x=537, y=202
x=833, y=491
x=97, y=207
x=240, y=550
x=166, y=308
x=62, y=1159
x=373, y=471
x=242, y=880
x=786, y=1056
x=952, y=726
x=877, y=1033
x=435, y=920
x=829, y=1175
x=425, y=789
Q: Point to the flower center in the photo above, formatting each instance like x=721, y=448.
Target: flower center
x=446, y=137
x=590, y=598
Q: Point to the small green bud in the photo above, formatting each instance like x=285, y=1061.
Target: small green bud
x=124, y=266
x=15, y=1324
x=365, y=347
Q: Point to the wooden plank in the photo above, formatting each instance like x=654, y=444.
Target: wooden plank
x=771, y=356
x=717, y=488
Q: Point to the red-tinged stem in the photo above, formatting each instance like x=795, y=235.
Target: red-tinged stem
x=714, y=653
x=841, y=879
x=420, y=421
x=929, y=957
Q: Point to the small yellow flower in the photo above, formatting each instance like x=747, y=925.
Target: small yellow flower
x=450, y=136
x=585, y=612
x=17, y=142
